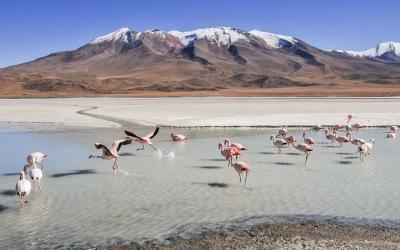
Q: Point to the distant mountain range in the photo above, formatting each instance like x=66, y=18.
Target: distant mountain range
x=211, y=59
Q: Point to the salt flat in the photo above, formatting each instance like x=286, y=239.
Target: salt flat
x=203, y=111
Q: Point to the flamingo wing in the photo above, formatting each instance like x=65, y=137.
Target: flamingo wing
x=118, y=144
x=103, y=147
x=153, y=134
x=132, y=135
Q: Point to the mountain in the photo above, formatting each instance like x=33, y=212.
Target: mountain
x=387, y=51
x=210, y=61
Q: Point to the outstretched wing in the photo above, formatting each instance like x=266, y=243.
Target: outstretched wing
x=130, y=134
x=153, y=134
x=118, y=144
x=104, y=148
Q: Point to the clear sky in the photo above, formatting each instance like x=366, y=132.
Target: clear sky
x=31, y=29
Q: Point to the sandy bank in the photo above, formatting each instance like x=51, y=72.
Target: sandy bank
x=200, y=112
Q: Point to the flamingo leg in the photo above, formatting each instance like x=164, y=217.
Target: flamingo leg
x=114, y=165
x=240, y=178
x=245, y=180
x=307, y=154
x=153, y=147
x=140, y=148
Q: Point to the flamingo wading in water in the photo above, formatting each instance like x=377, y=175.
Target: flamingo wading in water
x=228, y=152
x=111, y=154
x=23, y=188
x=228, y=143
x=279, y=143
x=241, y=167
x=178, y=137
x=301, y=147
x=34, y=158
x=36, y=175
x=308, y=140
x=144, y=140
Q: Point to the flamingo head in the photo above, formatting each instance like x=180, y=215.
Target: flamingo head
x=349, y=117
x=372, y=140
x=21, y=175
x=220, y=146
x=348, y=135
x=291, y=139
x=304, y=134
x=227, y=142
x=45, y=155
x=326, y=131
x=172, y=135
x=272, y=137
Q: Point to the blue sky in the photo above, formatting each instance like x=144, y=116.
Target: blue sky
x=31, y=29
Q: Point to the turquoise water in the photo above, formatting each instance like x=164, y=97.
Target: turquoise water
x=83, y=203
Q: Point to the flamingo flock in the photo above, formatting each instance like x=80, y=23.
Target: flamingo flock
x=230, y=151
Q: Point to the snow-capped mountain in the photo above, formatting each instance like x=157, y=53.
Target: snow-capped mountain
x=385, y=50
x=203, y=59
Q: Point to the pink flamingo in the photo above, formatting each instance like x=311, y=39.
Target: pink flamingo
x=337, y=127
x=357, y=126
x=34, y=158
x=228, y=143
x=394, y=129
x=330, y=136
x=241, y=167
x=178, y=137
x=302, y=147
x=308, y=140
x=23, y=188
x=228, y=152
x=279, y=143
x=111, y=154
x=349, y=118
x=143, y=140
x=343, y=139
x=356, y=141
x=282, y=133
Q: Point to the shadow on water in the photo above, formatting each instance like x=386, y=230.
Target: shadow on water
x=217, y=185
x=344, y=153
x=10, y=174
x=2, y=208
x=266, y=153
x=126, y=154
x=344, y=162
x=293, y=153
x=214, y=159
x=283, y=163
x=77, y=172
x=9, y=192
x=352, y=157
x=330, y=146
x=208, y=167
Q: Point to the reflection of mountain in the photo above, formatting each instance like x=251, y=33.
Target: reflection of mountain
x=127, y=61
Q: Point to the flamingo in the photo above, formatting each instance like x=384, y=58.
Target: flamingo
x=393, y=129
x=228, y=143
x=23, y=188
x=356, y=141
x=282, y=133
x=348, y=127
x=330, y=136
x=279, y=143
x=391, y=135
x=369, y=144
x=178, y=137
x=308, y=140
x=349, y=118
x=357, y=126
x=343, y=139
x=317, y=127
x=36, y=175
x=337, y=127
x=241, y=167
x=228, y=152
x=143, y=140
x=364, y=149
x=34, y=158
x=302, y=147
x=113, y=153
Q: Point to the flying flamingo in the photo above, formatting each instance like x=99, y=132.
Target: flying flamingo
x=391, y=135
x=145, y=140
x=308, y=140
x=279, y=143
x=34, y=158
x=23, y=188
x=178, y=137
x=228, y=152
x=228, y=143
x=36, y=175
x=241, y=167
x=393, y=129
x=301, y=147
x=330, y=136
x=343, y=139
x=111, y=154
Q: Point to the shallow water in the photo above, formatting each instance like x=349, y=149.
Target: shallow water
x=83, y=203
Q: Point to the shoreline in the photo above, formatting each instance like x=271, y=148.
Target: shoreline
x=308, y=233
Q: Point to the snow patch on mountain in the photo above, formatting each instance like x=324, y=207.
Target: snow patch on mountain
x=123, y=33
x=274, y=40
x=379, y=50
x=224, y=36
